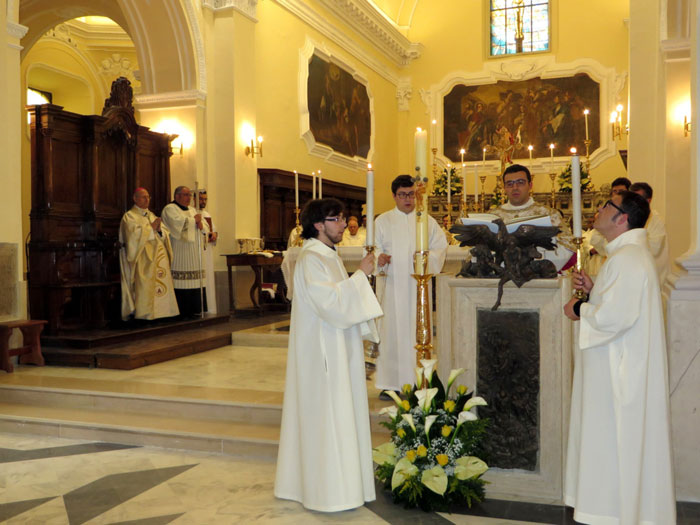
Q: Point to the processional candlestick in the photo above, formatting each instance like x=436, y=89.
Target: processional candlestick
x=424, y=345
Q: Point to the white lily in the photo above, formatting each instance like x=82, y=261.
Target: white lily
x=393, y=396
x=454, y=374
x=425, y=398
x=469, y=467
x=429, y=423
x=475, y=402
x=465, y=416
x=408, y=418
x=429, y=368
x=385, y=453
x=403, y=470
x=390, y=411
x=419, y=376
x=435, y=479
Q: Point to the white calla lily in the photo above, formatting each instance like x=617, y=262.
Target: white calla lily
x=393, y=395
x=403, y=470
x=475, y=402
x=419, y=376
x=425, y=398
x=428, y=368
x=391, y=411
x=469, y=467
x=435, y=479
x=429, y=423
x=454, y=374
x=408, y=418
x=465, y=416
x=385, y=453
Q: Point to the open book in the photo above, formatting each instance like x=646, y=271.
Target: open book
x=511, y=225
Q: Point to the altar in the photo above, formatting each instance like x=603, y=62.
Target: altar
x=519, y=358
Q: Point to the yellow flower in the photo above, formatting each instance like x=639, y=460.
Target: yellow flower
x=407, y=389
x=442, y=459
x=461, y=390
x=405, y=405
x=449, y=406
x=422, y=451
x=401, y=433
x=446, y=431
x=411, y=455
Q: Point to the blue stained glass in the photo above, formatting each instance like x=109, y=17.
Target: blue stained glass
x=535, y=24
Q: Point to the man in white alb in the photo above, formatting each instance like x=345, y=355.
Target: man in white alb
x=656, y=233
x=208, y=253
x=353, y=236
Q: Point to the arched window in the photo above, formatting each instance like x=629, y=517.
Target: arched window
x=519, y=26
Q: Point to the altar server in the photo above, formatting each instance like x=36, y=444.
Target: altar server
x=208, y=253
x=619, y=467
x=185, y=224
x=145, y=258
x=395, y=239
x=325, y=452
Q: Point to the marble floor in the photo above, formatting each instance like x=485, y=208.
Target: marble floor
x=50, y=480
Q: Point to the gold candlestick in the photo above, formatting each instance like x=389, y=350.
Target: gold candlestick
x=587, y=143
x=482, y=178
x=424, y=330
x=298, y=241
x=553, y=177
x=578, y=241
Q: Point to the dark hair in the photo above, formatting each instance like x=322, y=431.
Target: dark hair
x=178, y=190
x=515, y=168
x=636, y=208
x=402, y=181
x=643, y=187
x=317, y=211
x=621, y=181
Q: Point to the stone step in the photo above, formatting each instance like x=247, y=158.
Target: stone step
x=262, y=340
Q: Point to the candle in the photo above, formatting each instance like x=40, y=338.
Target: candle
x=585, y=116
x=483, y=158
x=476, y=184
x=296, y=189
x=369, y=210
x=576, y=193
x=422, y=224
x=551, y=156
x=464, y=184
x=421, y=147
x=449, y=186
x=433, y=134
x=529, y=149
x=320, y=185
x=313, y=185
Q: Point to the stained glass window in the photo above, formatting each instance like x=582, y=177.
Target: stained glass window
x=519, y=26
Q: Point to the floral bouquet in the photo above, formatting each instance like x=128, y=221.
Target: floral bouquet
x=440, y=184
x=431, y=459
x=564, y=179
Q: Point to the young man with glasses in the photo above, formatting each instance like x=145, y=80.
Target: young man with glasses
x=325, y=451
x=619, y=465
x=396, y=243
x=518, y=186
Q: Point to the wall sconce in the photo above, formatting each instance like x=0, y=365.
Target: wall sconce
x=254, y=148
x=686, y=126
x=616, y=121
x=175, y=144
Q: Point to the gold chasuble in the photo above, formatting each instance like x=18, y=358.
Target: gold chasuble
x=145, y=258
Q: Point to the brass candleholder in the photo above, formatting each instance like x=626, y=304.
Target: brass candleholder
x=482, y=178
x=553, y=177
x=298, y=241
x=371, y=278
x=424, y=345
x=587, y=143
x=578, y=241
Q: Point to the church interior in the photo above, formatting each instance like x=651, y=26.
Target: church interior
x=238, y=97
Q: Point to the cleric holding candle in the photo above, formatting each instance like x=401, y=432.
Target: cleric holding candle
x=619, y=466
x=518, y=186
x=395, y=239
x=325, y=452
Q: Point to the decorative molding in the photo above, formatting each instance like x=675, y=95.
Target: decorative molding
x=247, y=8
x=676, y=50
x=365, y=19
x=192, y=97
x=16, y=30
x=316, y=148
x=118, y=66
x=611, y=86
x=198, y=41
x=404, y=91
x=320, y=23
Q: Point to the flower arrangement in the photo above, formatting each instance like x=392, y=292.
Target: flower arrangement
x=431, y=460
x=564, y=179
x=440, y=184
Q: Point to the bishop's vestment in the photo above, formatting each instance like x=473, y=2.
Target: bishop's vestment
x=145, y=258
x=325, y=452
x=619, y=466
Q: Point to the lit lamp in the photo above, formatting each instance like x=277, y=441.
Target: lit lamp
x=616, y=122
x=255, y=147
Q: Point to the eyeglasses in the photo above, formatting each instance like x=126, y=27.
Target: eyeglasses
x=339, y=218
x=614, y=206
x=404, y=195
x=519, y=182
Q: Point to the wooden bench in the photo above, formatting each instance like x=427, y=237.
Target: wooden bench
x=30, y=352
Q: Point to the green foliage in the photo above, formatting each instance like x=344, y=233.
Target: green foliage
x=564, y=179
x=440, y=183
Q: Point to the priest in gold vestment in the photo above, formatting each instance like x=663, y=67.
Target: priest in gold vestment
x=145, y=259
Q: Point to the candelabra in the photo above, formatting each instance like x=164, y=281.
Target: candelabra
x=553, y=177
x=298, y=241
x=424, y=344
x=587, y=143
x=578, y=241
x=482, y=178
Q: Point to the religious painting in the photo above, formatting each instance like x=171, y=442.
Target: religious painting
x=339, y=109
x=505, y=117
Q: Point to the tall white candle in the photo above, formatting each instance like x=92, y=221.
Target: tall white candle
x=313, y=185
x=464, y=183
x=551, y=156
x=483, y=156
x=422, y=224
x=433, y=134
x=420, y=141
x=296, y=189
x=370, y=206
x=529, y=149
x=576, y=193
x=585, y=116
x=320, y=185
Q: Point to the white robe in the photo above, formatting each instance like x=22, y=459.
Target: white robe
x=619, y=466
x=183, y=231
x=208, y=263
x=325, y=452
x=395, y=235
x=353, y=240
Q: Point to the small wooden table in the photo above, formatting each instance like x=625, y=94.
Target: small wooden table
x=31, y=330
x=256, y=262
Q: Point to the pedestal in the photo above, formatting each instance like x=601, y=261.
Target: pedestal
x=527, y=374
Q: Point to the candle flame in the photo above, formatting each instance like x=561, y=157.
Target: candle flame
x=586, y=112
x=573, y=151
x=619, y=108
x=462, y=152
x=434, y=121
x=369, y=166
x=551, y=146
x=295, y=171
x=419, y=129
x=530, y=147
x=613, y=117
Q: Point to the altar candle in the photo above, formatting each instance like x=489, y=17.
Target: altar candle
x=464, y=183
x=320, y=185
x=585, y=116
x=551, y=156
x=449, y=186
x=483, y=158
x=313, y=185
x=576, y=192
x=422, y=224
x=420, y=140
x=529, y=149
x=296, y=189
x=370, y=206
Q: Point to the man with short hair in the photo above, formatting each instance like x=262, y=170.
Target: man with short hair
x=353, y=236
x=619, y=185
x=395, y=239
x=185, y=224
x=517, y=181
x=619, y=466
x=656, y=232
x=325, y=451
x=208, y=253
x=145, y=258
